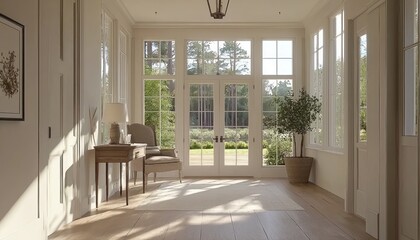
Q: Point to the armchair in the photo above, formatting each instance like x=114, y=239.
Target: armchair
x=157, y=159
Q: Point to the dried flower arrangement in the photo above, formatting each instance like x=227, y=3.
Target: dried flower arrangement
x=9, y=74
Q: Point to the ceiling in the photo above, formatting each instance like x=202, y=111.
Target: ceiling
x=240, y=11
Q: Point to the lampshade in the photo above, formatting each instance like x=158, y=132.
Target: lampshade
x=218, y=8
x=115, y=113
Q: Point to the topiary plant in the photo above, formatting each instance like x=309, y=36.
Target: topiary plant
x=295, y=115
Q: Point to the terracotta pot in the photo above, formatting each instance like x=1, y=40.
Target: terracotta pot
x=298, y=169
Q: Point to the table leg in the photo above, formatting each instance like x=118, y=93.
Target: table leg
x=120, y=179
x=96, y=182
x=106, y=181
x=126, y=182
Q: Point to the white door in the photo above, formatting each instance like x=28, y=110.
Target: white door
x=361, y=111
x=58, y=54
x=216, y=129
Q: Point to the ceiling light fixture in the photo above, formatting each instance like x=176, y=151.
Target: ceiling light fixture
x=218, y=11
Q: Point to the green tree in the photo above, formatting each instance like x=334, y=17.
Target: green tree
x=230, y=56
x=160, y=110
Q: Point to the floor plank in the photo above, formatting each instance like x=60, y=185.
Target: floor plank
x=217, y=226
x=247, y=226
x=186, y=226
x=279, y=226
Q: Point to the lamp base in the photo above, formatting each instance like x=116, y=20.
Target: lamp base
x=114, y=133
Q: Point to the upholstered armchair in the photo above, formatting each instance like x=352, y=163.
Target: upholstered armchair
x=157, y=159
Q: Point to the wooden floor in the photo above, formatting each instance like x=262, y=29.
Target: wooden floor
x=323, y=218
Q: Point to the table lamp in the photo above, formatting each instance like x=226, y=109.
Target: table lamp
x=114, y=113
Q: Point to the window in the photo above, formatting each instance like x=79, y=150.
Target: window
x=316, y=82
x=278, y=57
x=122, y=80
x=106, y=69
x=277, y=63
x=218, y=57
x=362, y=76
x=159, y=110
x=275, y=146
x=159, y=58
x=336, y=86
x=411, y=68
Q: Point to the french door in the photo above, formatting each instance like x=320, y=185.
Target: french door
x=217, y=129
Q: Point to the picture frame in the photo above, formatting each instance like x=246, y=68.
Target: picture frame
x=12, y=53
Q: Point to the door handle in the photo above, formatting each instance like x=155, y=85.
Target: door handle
x=216, y=139
x=221, y=139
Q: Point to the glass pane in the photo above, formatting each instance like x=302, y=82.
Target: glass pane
x=269, y=67
x=363, y=88
x=236, y=125
x=338, y=24
x=285, y=67
x=151, y=104
x=285, y=49
x=269, y=49
x=201, y=124
x=194, y=49
x=321, y=38
x=245, y=49
x=243, y=67
x=411, y=22
x=275, y=146
x=411, y=92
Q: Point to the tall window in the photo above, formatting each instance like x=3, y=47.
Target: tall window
x=362, y=76
x=336, y=86
x=159, y=57
x=411, y=67
x=159, y=94
x=218, y=57
x=278, y=68
x=123, y=55
x=159, y=110
x=316, y=82
x=106, y=68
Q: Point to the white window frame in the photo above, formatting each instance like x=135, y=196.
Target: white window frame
x=318, y=80
x=333, y=81
x=107, y=24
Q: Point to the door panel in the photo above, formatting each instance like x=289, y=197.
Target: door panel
x=361, y=113
x=62, y=144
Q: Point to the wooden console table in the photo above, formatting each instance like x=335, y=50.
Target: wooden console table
x=117, y=153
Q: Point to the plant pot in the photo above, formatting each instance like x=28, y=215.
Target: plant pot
x=298, y=169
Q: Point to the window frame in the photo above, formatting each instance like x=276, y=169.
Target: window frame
x=320, y=80
x=332, y=82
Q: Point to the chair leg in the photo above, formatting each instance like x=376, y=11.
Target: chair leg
x=154, y=176
x=180, y=176
x=135, y=177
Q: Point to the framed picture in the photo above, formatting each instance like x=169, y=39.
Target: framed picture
x=12, y=94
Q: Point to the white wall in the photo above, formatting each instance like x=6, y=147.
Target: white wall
x=19, y=140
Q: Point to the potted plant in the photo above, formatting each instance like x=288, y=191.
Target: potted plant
x=295, y=117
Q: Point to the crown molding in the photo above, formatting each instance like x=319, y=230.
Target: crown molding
x=217, y=25
x=126, y=12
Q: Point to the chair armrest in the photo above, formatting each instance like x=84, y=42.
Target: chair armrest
x=169, y=152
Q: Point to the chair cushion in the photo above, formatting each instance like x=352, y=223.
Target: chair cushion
x=161, y=160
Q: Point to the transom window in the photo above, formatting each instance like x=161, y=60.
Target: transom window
x=218, y=57
x=159, y=57
x=278, y=57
